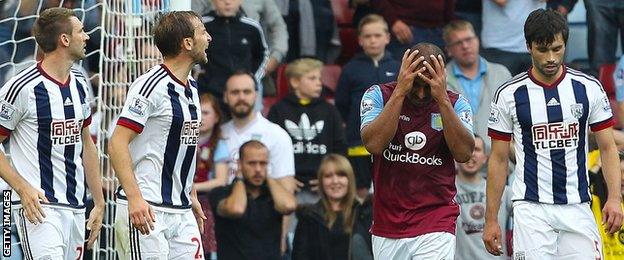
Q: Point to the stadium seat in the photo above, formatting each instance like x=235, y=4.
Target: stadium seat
x=280, y=82
x=350, y=45
x=329, y=76
x=605, y=75
x=342, y=13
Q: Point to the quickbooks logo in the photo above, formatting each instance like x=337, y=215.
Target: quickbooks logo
x=303, y=130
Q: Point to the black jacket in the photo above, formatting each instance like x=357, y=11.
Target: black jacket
x=357, y=76
x=237, y=44
x=315, y=129
x=313, y=240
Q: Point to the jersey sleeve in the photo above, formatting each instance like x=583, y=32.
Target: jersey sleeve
x=12, y=110
x=137, y=109
x=371, y=105
x=500, y=125
x=282, y=158
x=618, y=80
x=464, y=112
x=600, y=114
x=221, y=152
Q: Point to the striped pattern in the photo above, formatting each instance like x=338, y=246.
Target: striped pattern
x=152, y=82
x=135, y=242
x=22, y=80
x=24, y=235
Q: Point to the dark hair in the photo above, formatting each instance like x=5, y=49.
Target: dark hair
x=171, y=28
x=426, y=49
x=50, y=24
x=542, y=26
x=252, y=144
x=241, y=72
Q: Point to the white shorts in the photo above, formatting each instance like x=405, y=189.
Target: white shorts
x=175, y=236
x=437, y=245
x=546, y=231
x=60, y=236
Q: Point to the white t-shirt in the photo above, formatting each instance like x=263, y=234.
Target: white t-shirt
x=281, y=156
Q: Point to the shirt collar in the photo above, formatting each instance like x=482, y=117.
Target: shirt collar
x=482, y=68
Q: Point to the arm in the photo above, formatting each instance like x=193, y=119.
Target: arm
x=235, y=204
x=301, y=246
x=29, y=196
x=140, y=212
x=340, y=141
x=377, y=134
x=284, y=200
x=500, y=3
x=612, y=211
x=497, y=175
x=458, y=138
x=221, y=174
x=94, y=180
x=341, y=98
x=277, y=34
x=260, y=53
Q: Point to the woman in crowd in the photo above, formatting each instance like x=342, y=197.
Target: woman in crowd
x=336, y=227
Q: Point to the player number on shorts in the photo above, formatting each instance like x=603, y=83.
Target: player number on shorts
x=79, y=249
x=198, y=252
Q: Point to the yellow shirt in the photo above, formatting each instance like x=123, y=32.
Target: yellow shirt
x=612, y=245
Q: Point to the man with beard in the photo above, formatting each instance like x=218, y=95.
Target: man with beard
x=154, y=145
x=248, y=213
x=549, y=111
x=471, y=199
x=247, y=124
x=415, y=128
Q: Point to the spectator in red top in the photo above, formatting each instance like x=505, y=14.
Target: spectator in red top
x=415, y=21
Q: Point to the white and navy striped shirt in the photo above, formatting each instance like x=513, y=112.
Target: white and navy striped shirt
x=165, y=112
x=549, y=124
x=45, y=119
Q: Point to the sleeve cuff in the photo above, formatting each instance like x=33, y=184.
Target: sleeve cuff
x=131, y=124
x=602, y=125
x=87, y=122
x=4, y=131
x=499, y=135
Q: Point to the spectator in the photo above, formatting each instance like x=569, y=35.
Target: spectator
x=470, y=10
x=471, y=199
x=470, y=74
x=238, y=45
x=327, y=229
x=361, y=8
x=325, y=29
x=612, y=245
x=212, y=168
x=502, y=34
x=618, y=79
x=247, y=124
x=415, y=21
x=375, y=65
x=314, y=125
x=299, y=18
x=248, y=213
x=562, y=6
x=605, y=20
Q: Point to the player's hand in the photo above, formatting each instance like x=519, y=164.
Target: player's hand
x=199, y=213
x=31, y=199
x=95, y=224
x=437, y=82
x=612, y=216
x=402, y=32
x=408, y=72
x=492, y=238
x=141, y=215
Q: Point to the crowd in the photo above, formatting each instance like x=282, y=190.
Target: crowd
x=298, y=179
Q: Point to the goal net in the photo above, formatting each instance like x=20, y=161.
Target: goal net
x=119, y=50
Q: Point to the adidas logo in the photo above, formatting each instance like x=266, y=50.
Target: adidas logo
x=552, y=102
x=304, y=130
x=389, y=74
x=68, y=102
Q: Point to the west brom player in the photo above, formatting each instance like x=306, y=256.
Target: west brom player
x=153, y=149
x=416, y=129
x=548, y=111
x=46, y=111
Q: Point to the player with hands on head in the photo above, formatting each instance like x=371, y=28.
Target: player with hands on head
x=416, y=129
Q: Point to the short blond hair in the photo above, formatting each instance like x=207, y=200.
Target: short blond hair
x=454, y=26
x=372, y=18
x=299, y=67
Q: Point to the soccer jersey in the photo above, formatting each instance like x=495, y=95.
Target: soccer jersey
x=414, y=176
x=549, y=124
x=281, y=156
x=45, y=119
x=164, y=111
